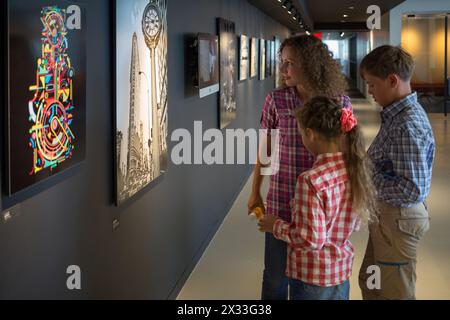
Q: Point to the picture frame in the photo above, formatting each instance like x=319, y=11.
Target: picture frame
x=45, y=94
x=140, y=95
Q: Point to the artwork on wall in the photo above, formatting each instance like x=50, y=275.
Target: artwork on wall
x=268, y=58
x=141, y=94
x=208, y=64
x=272, y=57
x=228, y=85
x=262, y=59
x=253, y=57
x=244, y=57
x=277, y=44
x=46, y=91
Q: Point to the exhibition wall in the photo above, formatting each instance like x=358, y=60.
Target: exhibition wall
x=161, y=232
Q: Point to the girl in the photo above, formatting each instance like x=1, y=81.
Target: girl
x=308, y=70
x=331, y=200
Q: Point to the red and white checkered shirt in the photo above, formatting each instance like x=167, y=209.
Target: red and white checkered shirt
x=279, y=113
x=319, y=249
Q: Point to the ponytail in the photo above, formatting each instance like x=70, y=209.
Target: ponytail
x=359, y=171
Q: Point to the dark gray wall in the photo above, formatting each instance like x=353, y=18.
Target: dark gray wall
x=163, y=230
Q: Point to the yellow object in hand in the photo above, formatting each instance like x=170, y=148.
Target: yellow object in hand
x=258, y=213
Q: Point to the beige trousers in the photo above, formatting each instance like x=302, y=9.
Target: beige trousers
x=392, y=246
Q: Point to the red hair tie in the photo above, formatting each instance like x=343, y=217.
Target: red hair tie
x=348, y=120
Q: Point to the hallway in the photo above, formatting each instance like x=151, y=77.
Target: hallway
x=231, y=267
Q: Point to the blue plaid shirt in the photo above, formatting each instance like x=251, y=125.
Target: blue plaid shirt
x=403, y=153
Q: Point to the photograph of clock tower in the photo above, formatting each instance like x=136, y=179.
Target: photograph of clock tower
x=141, y=94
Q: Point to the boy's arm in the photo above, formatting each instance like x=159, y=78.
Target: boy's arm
x=307, y=231
x=405, y=178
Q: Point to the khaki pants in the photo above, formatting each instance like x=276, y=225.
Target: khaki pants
x=392, y=246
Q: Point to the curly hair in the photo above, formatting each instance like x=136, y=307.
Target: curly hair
x=321, y=72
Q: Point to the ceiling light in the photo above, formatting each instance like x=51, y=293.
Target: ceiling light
x=351, y=8
x=290, y=8
x=285, y=3
x=342, y=34
x=345, y=15
x=308, y=33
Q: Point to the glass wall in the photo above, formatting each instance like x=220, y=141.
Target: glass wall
x=423, y=35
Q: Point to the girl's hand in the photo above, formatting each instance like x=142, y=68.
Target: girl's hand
x=267, y=222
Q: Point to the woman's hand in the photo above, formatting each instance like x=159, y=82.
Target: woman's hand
x=254, y=201
x=267, y=222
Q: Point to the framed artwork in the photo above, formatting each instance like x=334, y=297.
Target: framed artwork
x=272, y=57
x=208, y=64
x=228, y=85
x=262, y=59
x=268, y=58
x=244, y=58
x=140, y=94
x=277, y=43
x=253, y=57
x=46, y=91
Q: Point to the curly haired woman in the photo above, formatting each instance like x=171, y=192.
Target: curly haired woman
x=308, y=70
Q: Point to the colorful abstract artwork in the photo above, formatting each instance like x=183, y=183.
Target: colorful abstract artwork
x=46, y=91
x=51, y=138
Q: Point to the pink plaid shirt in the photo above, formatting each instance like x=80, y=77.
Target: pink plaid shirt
x=278, y=113
x=319, y=249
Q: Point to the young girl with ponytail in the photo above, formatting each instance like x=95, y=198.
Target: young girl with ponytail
x=331, y=200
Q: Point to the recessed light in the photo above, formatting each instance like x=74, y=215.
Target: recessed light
x=345, y=15
x=351, y=7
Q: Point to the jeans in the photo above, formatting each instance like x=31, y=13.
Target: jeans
x=275, y=282
x=299, y=290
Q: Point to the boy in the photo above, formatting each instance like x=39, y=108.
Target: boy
x=402, y=155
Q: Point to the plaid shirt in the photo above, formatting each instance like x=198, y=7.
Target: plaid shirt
x=278, y=113
x=403, y=154
x=319, y=249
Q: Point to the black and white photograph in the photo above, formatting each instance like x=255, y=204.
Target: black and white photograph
x=244, y=56
x=208, y=64
x=141, y=94
x=228, y=70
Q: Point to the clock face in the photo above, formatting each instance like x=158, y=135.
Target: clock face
x=151, y=22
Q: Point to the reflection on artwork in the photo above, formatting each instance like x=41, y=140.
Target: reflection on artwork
x=208, y=64
x=262, y=59
x=272, y=57
x=254, y=57
x=227, y=43
x=141, y=82
x=47, y=92
x=244, y=58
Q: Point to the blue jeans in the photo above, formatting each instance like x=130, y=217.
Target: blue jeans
x=300, y=290
x=275, y=282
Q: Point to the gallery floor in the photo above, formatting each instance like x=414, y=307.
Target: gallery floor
x=231, y=267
